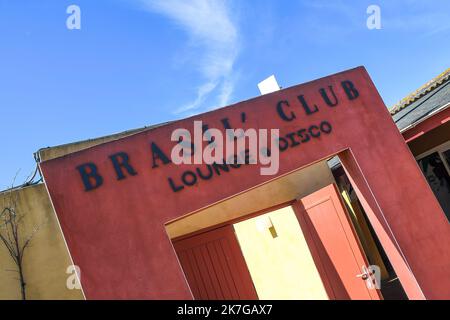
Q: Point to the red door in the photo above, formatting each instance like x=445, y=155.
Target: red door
x=333, y=244
x=214, y=266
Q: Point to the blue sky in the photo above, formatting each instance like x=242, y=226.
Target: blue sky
x=141, y=62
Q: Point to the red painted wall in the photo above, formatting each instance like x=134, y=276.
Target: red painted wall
x=116, y=234
x=427, y=125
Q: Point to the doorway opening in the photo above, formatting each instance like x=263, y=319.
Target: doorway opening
x=390, y=286
x=302, y=236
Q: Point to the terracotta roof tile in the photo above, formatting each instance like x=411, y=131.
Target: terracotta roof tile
x=422, y=91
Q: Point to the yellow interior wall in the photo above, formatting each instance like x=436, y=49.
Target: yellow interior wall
x=46, y=259
x=282, y=266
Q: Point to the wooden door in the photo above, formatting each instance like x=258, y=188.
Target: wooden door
x=214, y=266
x=333, y=244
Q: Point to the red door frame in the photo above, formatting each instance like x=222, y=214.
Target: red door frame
x=380, y=225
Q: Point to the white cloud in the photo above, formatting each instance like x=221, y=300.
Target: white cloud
x=210, y=25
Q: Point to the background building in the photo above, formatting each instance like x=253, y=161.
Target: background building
x=423, y=119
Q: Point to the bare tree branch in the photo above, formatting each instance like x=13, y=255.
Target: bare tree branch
x=33, y=233
x=11, y=223
x=9, y=270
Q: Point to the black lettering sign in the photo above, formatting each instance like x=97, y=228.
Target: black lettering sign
x=122, y=161
x=281, y=112
x=306, y=107
x=326, y=97
x=90, y=176
x=157, y=153
x=350, y=90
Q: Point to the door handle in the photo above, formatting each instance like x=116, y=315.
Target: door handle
x=371, y=276
x=363, y=276
x=365, y=273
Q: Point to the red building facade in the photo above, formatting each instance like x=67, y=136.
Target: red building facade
x=114, y=200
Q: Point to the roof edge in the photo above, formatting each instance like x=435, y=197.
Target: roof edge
x=420, y=92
